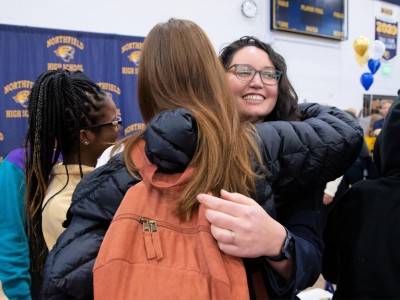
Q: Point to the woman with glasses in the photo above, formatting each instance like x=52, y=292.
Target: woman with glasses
x=269, y=96
x=258, y=78
x=69, y=117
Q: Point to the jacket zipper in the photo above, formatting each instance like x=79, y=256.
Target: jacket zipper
x=151, y=237
x=152, y=241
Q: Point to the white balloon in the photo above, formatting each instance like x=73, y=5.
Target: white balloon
x=377, y=49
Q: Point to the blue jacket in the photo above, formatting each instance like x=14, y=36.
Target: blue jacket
x=378, y=124
x=14, y=250
x=298, y=156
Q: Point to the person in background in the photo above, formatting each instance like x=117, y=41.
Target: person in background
x=14, y=258
x=71, y=117
x=362, y=248
x=173, y=76
x=257, y=75
x=363, y=168
x=377, y=126
x=332, y=189
x=374, y=117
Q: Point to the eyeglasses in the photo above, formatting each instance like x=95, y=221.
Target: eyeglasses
x=117, y=121
x=268, y=75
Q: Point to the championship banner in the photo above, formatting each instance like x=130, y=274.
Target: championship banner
x=110, y=60
x=387, y=33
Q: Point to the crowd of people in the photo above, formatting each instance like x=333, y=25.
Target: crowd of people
x=261, y=160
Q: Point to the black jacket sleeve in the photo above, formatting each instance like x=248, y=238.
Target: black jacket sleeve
x=306, y=154
x=68, y=268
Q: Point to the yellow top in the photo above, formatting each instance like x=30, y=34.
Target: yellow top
x=58, y=199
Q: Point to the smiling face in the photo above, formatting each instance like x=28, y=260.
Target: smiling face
x=254, y=99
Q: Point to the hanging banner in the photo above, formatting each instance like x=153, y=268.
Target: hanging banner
x=387, y=33
x=109, y=60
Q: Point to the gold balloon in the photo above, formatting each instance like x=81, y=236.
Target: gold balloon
x=362, y=60
x=361, y=45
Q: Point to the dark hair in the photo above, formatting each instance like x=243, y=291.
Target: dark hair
x=286, y=106
x=60, y=104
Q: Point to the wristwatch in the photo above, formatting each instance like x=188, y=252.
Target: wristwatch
x=287, y=249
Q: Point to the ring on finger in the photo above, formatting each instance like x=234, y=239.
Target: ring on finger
x=233, y=234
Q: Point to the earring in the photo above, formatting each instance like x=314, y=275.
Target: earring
x=86, y=143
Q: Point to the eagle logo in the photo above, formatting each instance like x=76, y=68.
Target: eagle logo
x=134, y=57
x=66, y=53
x=22, y=97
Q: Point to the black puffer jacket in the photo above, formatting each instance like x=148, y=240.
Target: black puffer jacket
x=301, y=155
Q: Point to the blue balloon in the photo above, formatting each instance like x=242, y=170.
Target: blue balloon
x=366, y=80
x=373, y=65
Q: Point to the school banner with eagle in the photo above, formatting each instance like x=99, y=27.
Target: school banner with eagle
x=109, y=60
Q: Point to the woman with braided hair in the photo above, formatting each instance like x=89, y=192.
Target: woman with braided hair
x=69, y=117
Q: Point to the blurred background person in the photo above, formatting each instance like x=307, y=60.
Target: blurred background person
x=377, y=126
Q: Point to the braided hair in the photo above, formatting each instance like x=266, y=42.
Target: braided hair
x=60, y=104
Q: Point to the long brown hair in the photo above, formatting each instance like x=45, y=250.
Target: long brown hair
x=179, y=68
